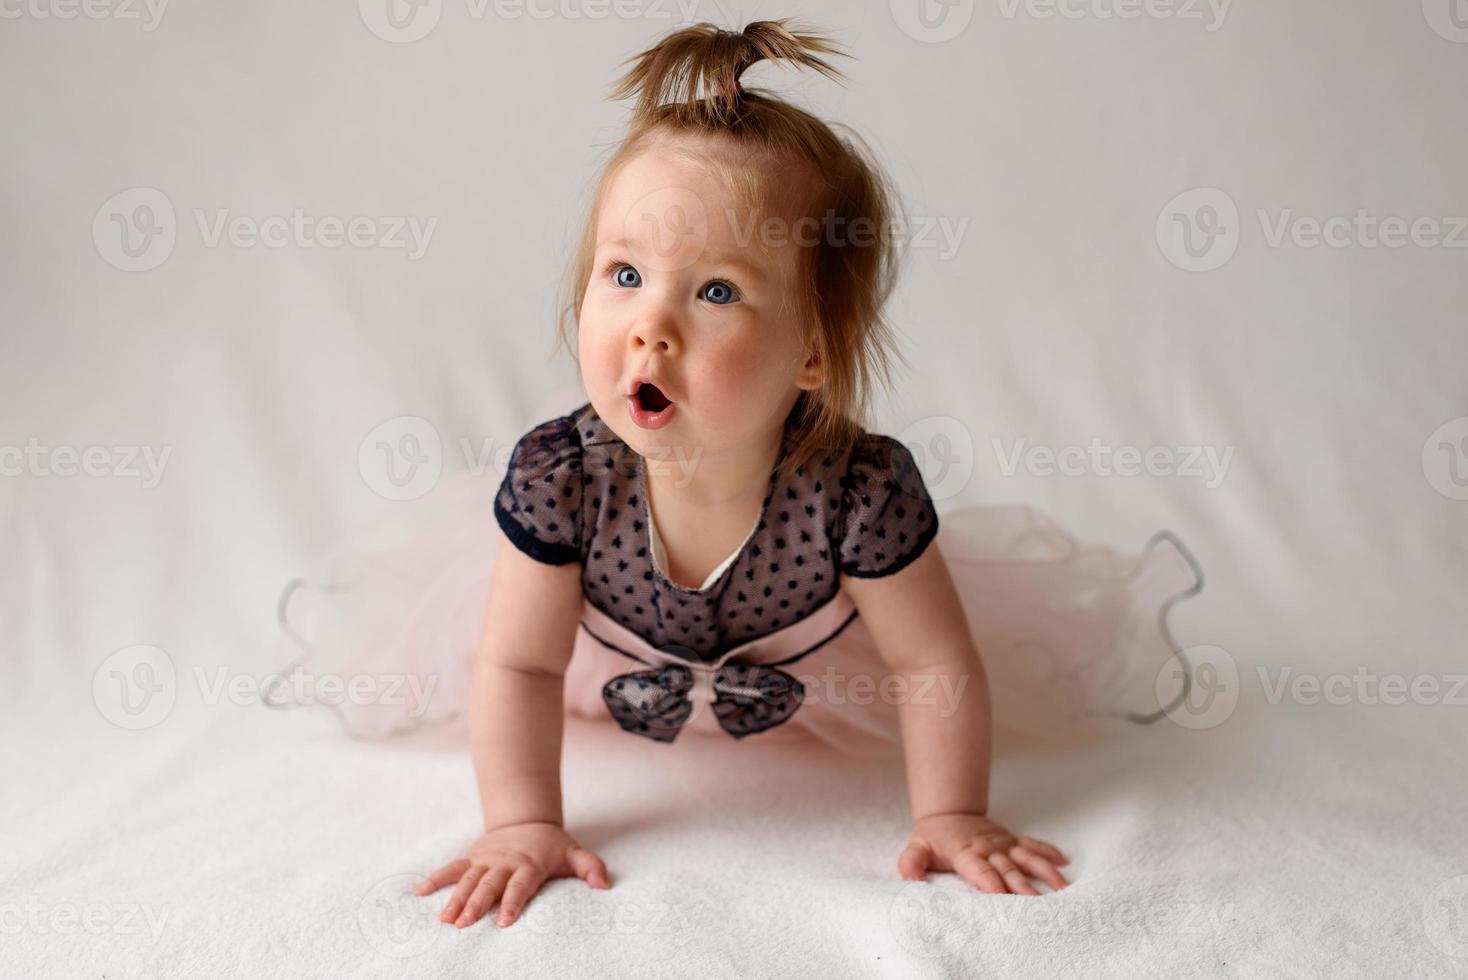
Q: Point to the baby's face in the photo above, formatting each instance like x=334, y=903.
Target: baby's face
x=691, y=289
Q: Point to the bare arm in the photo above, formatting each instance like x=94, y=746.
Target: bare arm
x=516, y=716
x=918, y=623
x=516, y=711
x=920, y=629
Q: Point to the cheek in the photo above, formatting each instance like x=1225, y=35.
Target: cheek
x=747, y=366
x=596, y=344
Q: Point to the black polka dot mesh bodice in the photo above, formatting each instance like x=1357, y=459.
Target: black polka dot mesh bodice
x=574, y=491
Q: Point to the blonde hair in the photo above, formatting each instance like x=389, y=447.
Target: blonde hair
x=688, y=85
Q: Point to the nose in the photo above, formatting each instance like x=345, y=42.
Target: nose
x=657, y=329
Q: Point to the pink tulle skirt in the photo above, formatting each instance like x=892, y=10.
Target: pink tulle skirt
x=385, y=629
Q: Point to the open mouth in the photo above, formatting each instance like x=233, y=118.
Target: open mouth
x=650, y=399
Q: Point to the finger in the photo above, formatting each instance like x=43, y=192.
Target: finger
x=978, y=872
x=1013, y=876
x=1038, y=867
x=914, y=860
x=1049, y=851
x=461, y=894
x=588, y=866
x=994, y=843
x=484, y=896
x=524, y=883
x=446, y=875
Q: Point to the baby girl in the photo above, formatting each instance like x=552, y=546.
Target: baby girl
x=716, y=509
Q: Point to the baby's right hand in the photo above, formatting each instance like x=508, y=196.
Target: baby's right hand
x=515, y=860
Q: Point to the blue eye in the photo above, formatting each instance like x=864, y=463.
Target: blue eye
x=719, y=293
x=627, y=276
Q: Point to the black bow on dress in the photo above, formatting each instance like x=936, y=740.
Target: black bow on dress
x=748, y=698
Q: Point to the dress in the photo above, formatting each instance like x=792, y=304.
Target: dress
x=770, y=645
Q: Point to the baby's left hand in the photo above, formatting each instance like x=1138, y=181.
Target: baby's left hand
x=984, y=853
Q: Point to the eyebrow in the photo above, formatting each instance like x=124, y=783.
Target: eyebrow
x=725, y=259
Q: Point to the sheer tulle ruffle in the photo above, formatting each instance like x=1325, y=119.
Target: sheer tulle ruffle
x=385, y=629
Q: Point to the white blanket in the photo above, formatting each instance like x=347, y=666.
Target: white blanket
x=239, y=841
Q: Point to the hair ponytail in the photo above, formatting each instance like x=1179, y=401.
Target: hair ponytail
x=694, y=72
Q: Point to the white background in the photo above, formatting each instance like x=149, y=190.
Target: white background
x=1056, y=143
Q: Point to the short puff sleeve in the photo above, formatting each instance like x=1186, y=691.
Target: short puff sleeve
x=887, y=516
x=539, y=501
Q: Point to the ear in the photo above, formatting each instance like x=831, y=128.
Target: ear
x=812, y=373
